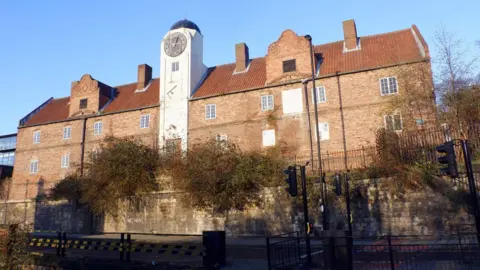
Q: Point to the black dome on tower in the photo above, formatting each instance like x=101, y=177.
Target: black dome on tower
x=185, y=24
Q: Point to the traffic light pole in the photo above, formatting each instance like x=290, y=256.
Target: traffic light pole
x=324, y=203
x=471, y=185
x=305, y=213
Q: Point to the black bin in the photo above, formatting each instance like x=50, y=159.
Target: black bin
x=214, y=243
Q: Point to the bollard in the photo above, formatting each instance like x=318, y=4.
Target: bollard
x=64, y=243
x=129, y=245
x=214, y=243
x=122, y=246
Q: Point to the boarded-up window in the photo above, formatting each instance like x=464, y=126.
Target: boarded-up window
x=292, y=101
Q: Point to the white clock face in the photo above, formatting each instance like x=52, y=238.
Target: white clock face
x=175, y=44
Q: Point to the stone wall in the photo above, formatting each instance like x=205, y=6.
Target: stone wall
x=377, y=212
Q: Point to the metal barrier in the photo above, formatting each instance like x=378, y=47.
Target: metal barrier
x=126, y=246
x=446, y=252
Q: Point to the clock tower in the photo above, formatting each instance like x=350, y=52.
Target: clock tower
x=182, y=69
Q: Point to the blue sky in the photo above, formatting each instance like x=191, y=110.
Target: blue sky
x=45, y=45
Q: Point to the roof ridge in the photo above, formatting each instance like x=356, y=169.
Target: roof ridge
x=68, y=97
x=388, y=33
x=374, y=35
x=233, y=63
x=126, y=84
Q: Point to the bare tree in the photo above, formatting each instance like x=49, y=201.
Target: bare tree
x=455, y=74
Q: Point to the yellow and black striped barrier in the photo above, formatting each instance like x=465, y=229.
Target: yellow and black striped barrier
x=158, y=248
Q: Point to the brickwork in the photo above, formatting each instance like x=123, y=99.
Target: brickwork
x=239, y=115
x=52, y=146
x=87, y=88
x=288, y=46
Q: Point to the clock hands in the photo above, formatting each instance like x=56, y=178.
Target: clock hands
x=169, y=93
x=176, y=41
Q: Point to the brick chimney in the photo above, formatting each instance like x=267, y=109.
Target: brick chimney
x=350, y=35
x=241, y=55
x=144, y=76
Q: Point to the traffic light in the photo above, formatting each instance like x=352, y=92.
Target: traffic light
x=338, y=184
x=291, y=173
x=449, y=159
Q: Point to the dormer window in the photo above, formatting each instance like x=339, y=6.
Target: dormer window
x=83, y=103
x=289, y=66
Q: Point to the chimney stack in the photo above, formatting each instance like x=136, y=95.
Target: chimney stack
x=144, y=76
x=350, y=35
x=241, y=55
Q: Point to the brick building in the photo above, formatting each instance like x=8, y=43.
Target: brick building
x=256, y=102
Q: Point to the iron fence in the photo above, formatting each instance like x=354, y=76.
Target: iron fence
x=410, y=147
x=460, y=251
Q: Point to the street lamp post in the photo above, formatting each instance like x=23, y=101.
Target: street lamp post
x=317, y=132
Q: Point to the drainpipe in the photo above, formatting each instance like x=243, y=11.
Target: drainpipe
x=305, y=88
x=309, y=38
x=82, y=151
x=342, y=120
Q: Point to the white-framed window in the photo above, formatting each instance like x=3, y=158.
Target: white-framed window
x=321, y=95
x=67, y=132
x=66, y=160
x=145, y=121
x=210, y=111
x=393, y=122
x=36, y=136
x=221, y=138
x=388, y=86
x=323, y=131
x=292, y=101
x=97, y=128
x=33, y=166
x=268, y=137
x=175, y=66
x=267, y=103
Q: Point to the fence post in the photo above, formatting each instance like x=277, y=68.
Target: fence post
x=268, y=253
x=129, y=244
x=390, y=251
x=363, y=157
x=59, y=246
x=122, y=246
x=63, y=244
x=328, y=161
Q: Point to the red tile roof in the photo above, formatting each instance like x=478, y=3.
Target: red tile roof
x=126, y=99
x=376, y=51
x=56, y=110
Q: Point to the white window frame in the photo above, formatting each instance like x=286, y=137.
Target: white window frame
x=36, y=136
x=175, y=66
x=393, y=124
x=221, y=138
x=388, y=86
x=265, y=134
x=267, y=103
x=97, y=128
x=145, y=121
x=210, y=111
x=34, y=166
x=317, y=92
x=321, y=131
x=65, y=161
x=67, y=132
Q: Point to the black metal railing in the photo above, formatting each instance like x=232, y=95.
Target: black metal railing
x=447, y=252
